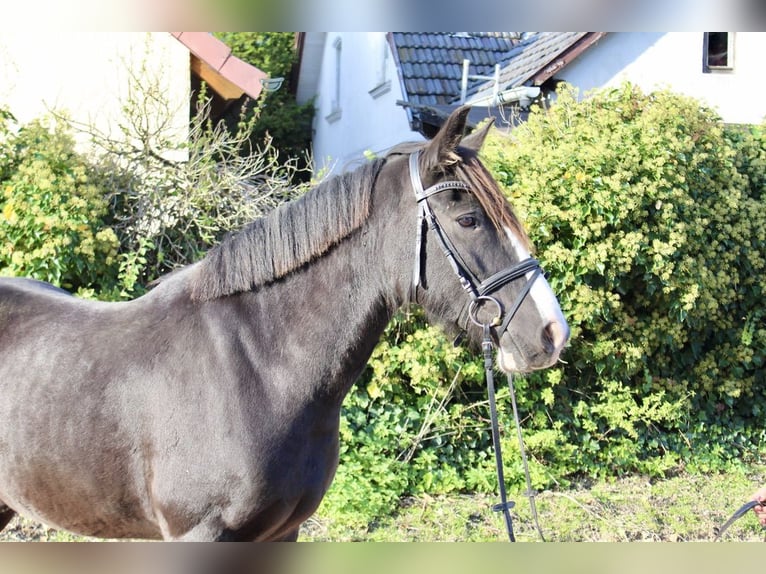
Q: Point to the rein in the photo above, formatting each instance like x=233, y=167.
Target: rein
x=741, y=511
x=480, y=293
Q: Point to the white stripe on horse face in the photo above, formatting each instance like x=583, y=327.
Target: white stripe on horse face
x=541, y=292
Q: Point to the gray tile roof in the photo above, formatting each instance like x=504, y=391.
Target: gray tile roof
x=431, y=64
x=527, y=59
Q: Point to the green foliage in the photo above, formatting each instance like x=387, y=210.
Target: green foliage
x=688, y=507
x=51, y=213
x=279, y=116
x=272, y=52
x=172, y=198
x=649, y=219
x=150, y=200
x=167, y=212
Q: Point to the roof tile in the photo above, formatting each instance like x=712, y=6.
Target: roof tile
x=430, y=55
x=225, y=67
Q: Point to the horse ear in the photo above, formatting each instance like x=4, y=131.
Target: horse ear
x=441, y=152
x=475, y=139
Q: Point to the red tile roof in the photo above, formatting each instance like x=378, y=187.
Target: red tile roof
x=223, y=70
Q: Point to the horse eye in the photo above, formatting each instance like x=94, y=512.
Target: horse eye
x=466, y=221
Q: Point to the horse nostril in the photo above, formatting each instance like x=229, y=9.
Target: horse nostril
x=547, y=338
x=554, y=335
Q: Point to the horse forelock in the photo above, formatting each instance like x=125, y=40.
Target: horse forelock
x=465, y=165
x=293, y=234
x=490, y=196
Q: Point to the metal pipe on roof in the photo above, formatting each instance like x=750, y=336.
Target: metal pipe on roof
x=522, y=94
x=464, y=80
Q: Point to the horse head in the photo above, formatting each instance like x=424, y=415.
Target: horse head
x=473, y=269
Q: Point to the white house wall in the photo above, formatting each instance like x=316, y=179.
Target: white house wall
x=368, y=122
x=673, y=60
x=85, y=75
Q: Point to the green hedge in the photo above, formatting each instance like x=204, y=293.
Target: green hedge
x=649, y=218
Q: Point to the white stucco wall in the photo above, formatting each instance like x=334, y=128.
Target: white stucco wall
x=674, y=60
x=86, y=75
x=367, y=123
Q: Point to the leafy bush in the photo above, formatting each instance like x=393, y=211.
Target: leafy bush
x=149, y=200
x=172, y=198
x=52, y=214
x=649, y=219
x=173, y=210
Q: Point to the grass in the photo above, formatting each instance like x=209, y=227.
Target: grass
x=630, y=509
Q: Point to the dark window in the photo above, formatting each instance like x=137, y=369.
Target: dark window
x=718, y=53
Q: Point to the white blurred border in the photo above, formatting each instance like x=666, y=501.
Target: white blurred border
x=382, y=15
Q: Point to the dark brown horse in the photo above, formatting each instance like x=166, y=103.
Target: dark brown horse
x=208, y=409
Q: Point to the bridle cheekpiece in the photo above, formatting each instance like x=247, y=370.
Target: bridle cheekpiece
x=479, y=291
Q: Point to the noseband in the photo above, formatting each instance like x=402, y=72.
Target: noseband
x=480, y=292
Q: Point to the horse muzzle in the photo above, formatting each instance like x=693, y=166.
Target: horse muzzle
x=543, y=350
x=522, y=348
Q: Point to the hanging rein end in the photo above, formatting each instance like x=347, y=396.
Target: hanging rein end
x=741, y=511
x=505, y=508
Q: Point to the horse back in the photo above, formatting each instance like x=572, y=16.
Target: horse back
x=12, y=287
x=28, y=302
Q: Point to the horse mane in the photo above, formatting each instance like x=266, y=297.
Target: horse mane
x=295, y=233
x=290, y=236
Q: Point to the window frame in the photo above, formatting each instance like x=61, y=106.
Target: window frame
x=382, y=82
x=335, y=109
x=707, y=67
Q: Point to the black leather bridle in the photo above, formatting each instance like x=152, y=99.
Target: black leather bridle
x=480, y=292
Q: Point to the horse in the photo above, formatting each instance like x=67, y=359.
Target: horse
x=208, y=409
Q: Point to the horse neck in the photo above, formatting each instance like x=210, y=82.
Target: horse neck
x=329, y=315
x=361, y=283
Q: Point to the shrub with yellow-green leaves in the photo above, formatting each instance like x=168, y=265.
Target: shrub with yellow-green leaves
x=51, y=213
x=649, y=218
